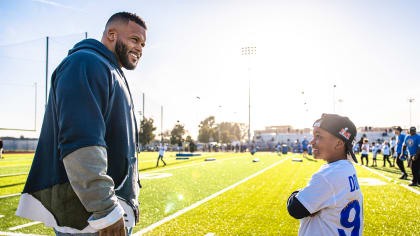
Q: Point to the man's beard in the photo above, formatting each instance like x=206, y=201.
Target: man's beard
x=122, y=54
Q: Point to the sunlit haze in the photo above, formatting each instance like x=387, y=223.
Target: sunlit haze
x=193, y=67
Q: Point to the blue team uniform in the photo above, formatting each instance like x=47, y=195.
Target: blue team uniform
x=412, y=143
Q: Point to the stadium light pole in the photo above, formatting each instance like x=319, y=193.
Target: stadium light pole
x=249, y=51
x=410, y=100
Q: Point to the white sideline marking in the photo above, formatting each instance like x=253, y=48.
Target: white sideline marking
x=410, y=188
x=10, y=195
x=166, y=219
x=210, y=234
x=1, y=216
x=17, y=234
x=24, y=226
x=376, y=172
x=389, y=179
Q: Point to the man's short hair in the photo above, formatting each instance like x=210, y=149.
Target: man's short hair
x=126, y=17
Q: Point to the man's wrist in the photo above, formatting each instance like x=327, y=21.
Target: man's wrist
x=103, y=222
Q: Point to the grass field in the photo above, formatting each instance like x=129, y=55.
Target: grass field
x=231, y=196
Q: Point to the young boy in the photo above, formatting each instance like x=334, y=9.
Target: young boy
x=162, y=150
x=365, y=151
x=401, y=155
x=374, y=153
x=386, y=150
x=331, y=203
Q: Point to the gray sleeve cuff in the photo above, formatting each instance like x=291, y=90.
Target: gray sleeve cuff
x=86, y=169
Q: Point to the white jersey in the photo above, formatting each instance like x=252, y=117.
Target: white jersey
x=334, y=199
x=386, y=150
x=365, y=148
x=162, y=150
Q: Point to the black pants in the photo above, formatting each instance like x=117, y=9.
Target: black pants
x=366, y=157
x=386, y=158
x=160, y=158
x=400, y=164
x=415, y=168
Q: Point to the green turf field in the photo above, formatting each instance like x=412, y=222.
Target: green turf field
x=231, y=196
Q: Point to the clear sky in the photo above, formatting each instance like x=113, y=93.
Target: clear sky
x=369, y=49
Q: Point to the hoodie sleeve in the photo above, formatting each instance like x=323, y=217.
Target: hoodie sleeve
x=81, y=90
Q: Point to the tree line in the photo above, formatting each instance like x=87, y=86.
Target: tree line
x=209, y=131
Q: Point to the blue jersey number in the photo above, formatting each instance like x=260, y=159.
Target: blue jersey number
x=344, y=219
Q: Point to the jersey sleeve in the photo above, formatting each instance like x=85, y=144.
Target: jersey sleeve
x=318, y=194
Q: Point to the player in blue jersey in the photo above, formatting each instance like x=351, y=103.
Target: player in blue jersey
x=401, y=155
x=412, y=143
x=305, y=144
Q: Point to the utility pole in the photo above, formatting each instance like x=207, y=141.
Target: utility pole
x=86, y=35
x=143, y=106
x=46, y=75
x=410, y=100
x=248, y=51
x=161, y=124
x=36, y=92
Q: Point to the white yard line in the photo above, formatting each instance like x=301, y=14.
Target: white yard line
x=210, y=234
x=376, y=172
x=410, y=188
x=17, y=234
x=166, y=219
x=9, y=175
x=10, y=195
x=24, y=225
x=195, y=164
x=390, y=179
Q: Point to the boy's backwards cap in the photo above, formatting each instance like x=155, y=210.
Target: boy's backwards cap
x=341, y=127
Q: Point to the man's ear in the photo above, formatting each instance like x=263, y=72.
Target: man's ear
x=111, y=35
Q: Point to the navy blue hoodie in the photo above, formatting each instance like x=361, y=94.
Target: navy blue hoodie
x=89, y=105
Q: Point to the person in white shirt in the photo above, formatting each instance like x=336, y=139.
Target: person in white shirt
x=393, y=144
x=331, y=203
x=365, y=151
x=375, y=150
x=162, y=149
x=386, y=151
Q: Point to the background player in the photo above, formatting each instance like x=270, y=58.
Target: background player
x=162, y=150
x=401, y=155
x=412, y=142
x=365, y=151
x=324, y=205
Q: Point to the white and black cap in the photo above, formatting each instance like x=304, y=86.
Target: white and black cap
x=341, y=127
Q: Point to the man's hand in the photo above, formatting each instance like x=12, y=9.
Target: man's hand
x=116, y=229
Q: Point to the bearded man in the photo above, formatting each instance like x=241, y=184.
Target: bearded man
x=84, y=176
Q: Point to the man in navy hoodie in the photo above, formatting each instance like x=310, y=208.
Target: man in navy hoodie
x=84, y=176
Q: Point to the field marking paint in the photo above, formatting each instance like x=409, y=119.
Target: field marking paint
x=17, y=234
x=195, y=164
x=390, y=179
x=10, y=195
x=410, y=188
x=10, y=175
x=210, y=234
x=376, y=172
x=1, y=216
x=24, y=225
x=173, y=216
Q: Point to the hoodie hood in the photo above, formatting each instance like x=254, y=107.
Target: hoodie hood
x=98, y=47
